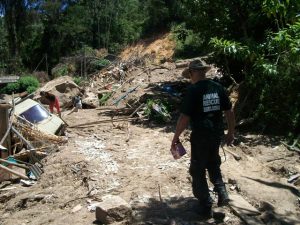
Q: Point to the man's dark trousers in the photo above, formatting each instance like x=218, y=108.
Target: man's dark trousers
x=205, y=156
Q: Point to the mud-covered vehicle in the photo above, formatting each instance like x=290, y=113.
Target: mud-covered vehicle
x=38, y=115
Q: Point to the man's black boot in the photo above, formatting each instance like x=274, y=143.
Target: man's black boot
x=204, y=209
x=223, y=198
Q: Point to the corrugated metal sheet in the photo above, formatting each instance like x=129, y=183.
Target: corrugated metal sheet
x=8, y=79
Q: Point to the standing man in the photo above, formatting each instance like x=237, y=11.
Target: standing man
x=203, y=108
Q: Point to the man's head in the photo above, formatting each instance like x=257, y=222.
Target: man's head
x=196, y=71
x=42, y=93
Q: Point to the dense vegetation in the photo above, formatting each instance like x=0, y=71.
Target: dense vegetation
x=25, y=83
x=255, y=42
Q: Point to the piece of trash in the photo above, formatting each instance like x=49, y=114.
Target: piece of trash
x=161, y=111
x=170, y=90
x=232, y=187
x=27, y=183
x=75, y=168
x=226, y=219
x=31, y=176
x=76, y=208
x=293, y=177
x=92, y=207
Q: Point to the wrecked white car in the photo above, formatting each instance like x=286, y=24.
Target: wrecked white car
x=36, y=114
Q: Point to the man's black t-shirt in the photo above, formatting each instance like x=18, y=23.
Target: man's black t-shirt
x=204, y=103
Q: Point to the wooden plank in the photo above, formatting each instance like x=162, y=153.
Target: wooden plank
x=5, y=106
x=244, y=210
x=238, y=203
x=5, y=135
x=4, y=125
x=13, y=172
x=7, y=189
x=235, y=155
x=14, y=164
x=250, y=220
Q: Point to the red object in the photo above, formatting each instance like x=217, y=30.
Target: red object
x=54, y=104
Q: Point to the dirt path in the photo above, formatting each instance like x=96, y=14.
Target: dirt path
x=135, y=170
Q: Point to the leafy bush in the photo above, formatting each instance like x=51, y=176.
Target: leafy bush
x=25, y=83
x=188, y=43
x=157, y=110
x=78, y=80
x=11, y=88
x=98, y=64
x=60, y=70
x=271, y=75
x=104, y=98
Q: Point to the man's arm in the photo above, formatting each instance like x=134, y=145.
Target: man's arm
x=229, y=114
x=182, y=123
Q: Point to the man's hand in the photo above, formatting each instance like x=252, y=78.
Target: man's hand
x=231, y=124
x=229, y=138
x=182, y=123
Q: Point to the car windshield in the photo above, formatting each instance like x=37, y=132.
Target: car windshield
x=35, y=114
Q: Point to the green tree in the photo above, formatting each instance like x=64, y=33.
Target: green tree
x=258, y=45
x=15, y=18
x=3, y=46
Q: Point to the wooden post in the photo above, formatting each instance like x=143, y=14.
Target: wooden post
x=4, y=124
x=47, y=68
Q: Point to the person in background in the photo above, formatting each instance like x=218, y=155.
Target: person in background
x=77, y=104
x=53, y=101
x=203, y=108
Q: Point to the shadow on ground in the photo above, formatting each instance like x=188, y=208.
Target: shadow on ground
x=256, y=140
x=173, y=211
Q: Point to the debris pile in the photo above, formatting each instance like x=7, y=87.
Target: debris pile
x=23, y=143
x=64, y=88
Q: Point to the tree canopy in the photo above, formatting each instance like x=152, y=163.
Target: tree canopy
x=255, y=42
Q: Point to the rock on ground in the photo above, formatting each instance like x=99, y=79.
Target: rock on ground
x=113, y=209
